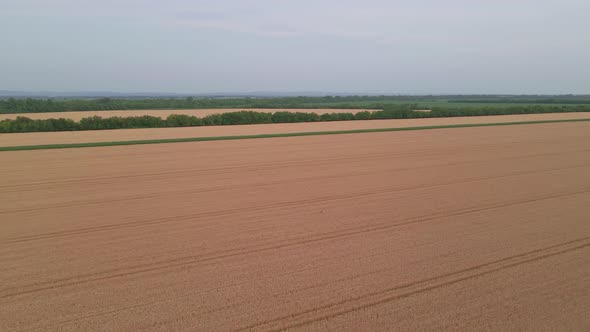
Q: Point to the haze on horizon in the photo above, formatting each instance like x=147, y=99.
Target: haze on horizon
x=373, y=46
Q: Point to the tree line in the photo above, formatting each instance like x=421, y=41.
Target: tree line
x=24, y=124
x=30, y=105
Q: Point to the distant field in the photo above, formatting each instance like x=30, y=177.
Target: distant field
x=450, y=104
x=490, y=105
x=92, y=136
x=77, y=116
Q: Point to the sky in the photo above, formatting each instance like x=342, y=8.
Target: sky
x=369, y=46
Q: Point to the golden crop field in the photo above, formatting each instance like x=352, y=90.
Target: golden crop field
x=460, y=229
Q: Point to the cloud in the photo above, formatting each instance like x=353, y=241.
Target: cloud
x=241, y=22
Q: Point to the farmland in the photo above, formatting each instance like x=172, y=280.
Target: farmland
x=77, y=116
x=16, y=120
x=67, y=137
x=460, y=229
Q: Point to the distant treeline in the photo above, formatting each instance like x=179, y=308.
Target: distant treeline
x=23, y=124
x=30, y=105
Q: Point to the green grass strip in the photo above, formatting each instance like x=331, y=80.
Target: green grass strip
x=315, y=133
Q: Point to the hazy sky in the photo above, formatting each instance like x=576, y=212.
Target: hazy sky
x=381, y=46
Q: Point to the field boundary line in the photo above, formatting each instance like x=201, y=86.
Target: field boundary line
x=295, y=134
